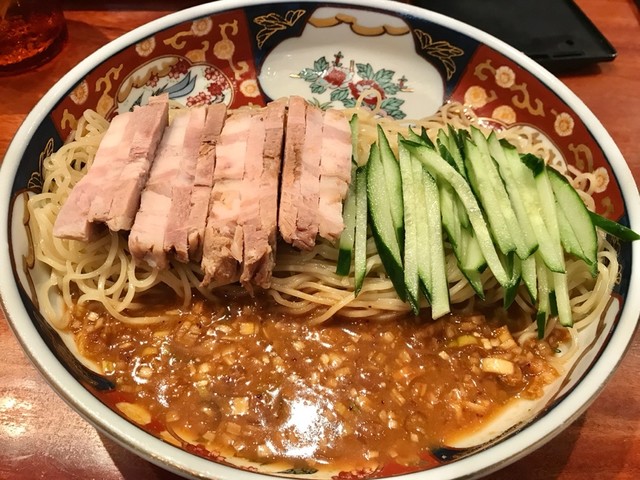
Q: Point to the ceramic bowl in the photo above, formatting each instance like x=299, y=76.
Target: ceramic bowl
x=248, y=52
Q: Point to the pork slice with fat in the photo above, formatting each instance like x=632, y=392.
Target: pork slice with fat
x=73, y=220
x=335, y=173
x=290, y=196
x=151, y=121
x=175, y=237
x=307, y=219
x=199, y=208
x=223, y=242
x=259, y=255
x=146, y=239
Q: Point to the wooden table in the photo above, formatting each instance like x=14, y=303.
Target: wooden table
x=40, y=437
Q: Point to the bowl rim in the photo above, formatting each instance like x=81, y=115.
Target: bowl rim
x=167, y=456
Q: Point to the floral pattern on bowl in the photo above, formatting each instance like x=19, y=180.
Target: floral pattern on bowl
x=244, y=56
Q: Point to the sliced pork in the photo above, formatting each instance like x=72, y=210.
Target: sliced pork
x=260, y=195
x=119, y=198
x=215, y=188
x=175, y=239
x=259, y=258
x=203, y=182
x=223, y=236
x=307, y=219
x=73, y=220
x=335, y=173
x=146, y=239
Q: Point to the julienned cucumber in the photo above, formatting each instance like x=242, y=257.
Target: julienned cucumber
x=393, y=182
x=360, y=240
x=347, y=238
x=411, y=211
x=409, y=200
x=380, y=203
x=442, y=171
x=614, y=228
x=577, y=232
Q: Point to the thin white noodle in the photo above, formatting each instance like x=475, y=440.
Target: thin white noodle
x=303, y=283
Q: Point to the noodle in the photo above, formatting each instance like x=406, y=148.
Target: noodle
x=303, y=283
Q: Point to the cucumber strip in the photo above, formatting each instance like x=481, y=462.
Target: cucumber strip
x=475, y=280
x=472, y=258
x=439, y=285
x=455, y=149
x=422, y=231
x=382, y=224
x=529, y=276
x=413, y=136
x=354, y=126
x=513, y=186
x=393, y=182
x=544, y=291
x=461, y=212
x=613, y=228
x=410, y=256
x=347, y=237
x=550, y=216
x=568, y=238
x=553, y=256
x=523, y=246
x=360, y=241
x=466, y=249
x=440, y=169
x=571, y=209
x=425, y=138
x=482, y=182
x=512, y=261
x=563, y=304
x=450, y=218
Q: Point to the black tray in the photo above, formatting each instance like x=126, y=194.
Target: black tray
x=555, y=33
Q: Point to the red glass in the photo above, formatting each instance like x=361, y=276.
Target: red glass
x=31, y=33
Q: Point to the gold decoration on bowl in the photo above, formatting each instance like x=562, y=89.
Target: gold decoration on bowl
x=146, y=47
x=225, y=49
x=504, y=114
x=132, y=81
x=106, y=101
x=202, y=26
x=357, y=28
x=477, y=97
x=563, y=124
x=273, y=22
x=440, y=50
x=198, y=55
x=525, y=102
x=505, y=77
x=80, y=94
x=68, y=122
x=582, y=157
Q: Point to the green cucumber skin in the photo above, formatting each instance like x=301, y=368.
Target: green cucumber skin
x=347, y=238
x=410, y=254
x=541, y=267
x=576, y=214
x=360, y=240
x=614, y=228
x=510, y=176
x=439, y=285
x=442, y=170
x=381, y=222
x=393, y=183
x=482, y=187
